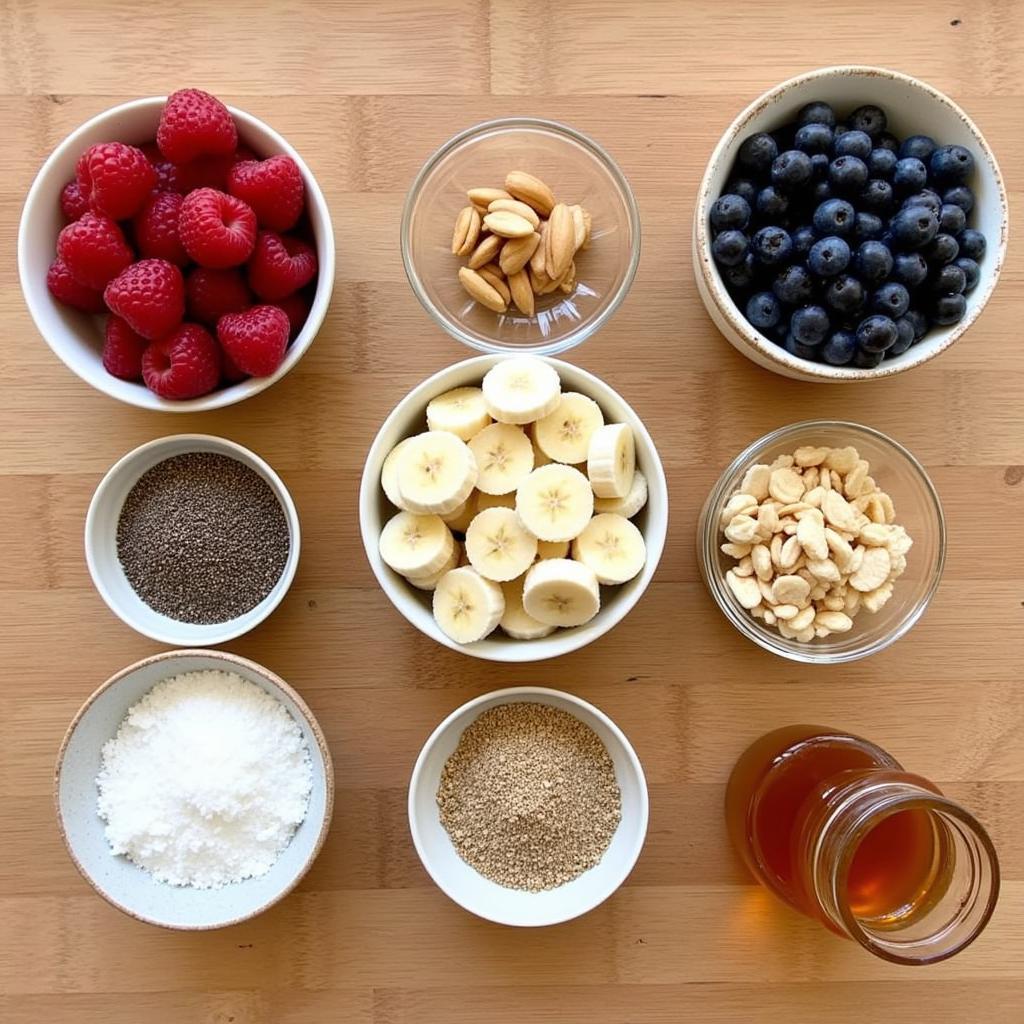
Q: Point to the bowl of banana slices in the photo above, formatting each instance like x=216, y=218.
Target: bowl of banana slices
x=513, y=508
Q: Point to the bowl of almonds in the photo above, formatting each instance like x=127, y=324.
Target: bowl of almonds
x=823, y=541
x=520, y=235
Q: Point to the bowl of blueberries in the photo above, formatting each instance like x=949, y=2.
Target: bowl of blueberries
x=851, y=224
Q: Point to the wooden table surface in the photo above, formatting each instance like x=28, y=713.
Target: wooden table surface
x=365, y=91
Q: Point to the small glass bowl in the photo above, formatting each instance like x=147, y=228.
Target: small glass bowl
x=918, y=510
x=578, y=171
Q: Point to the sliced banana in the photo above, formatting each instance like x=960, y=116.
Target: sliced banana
x=561, y=592
x=504, y=458
x=516, y=621
x=611, y=460
x=431, y=582
x=485, y=501
x=552, y=549
x=612, y=546
x=539, y=458
x=389, y=473
x=555, y=502
x=461, y=412
x=436, y=473
x=521, y=389
x=460, y=519
x=565, y=434
x=415, y=545
x=631, y=503
x=498, y=546
x=466, y=606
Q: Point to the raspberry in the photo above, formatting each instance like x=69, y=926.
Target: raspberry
x=231, y=373
x=185, y=364
x=194, y=123
x=256, y=339
x=66, y=289
x=122, y=350
x=205, y=172
x=150, y=295
x=168, y=177
x=209, y=294
x=273, y=188
x=115, y=178
x=72, y=203
x=94, y=250
x=296, y=308
x=280, y=265
x=156, y=228
x=216, y=229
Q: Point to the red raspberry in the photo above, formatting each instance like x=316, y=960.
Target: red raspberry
x=156, y=228
x=209, y=294
x=280, y=265
x=168, y=177
x=150, y=295
x=205, y=172
x=256, y=339
x=115, y=178
x=72, y=203
x=194, y=123
x=296, y=308
x=231, y=373
x=94, y=250
x=273, y=188
x=216, y=229
x=122, y=350
x=66, y=289
x=185, y=364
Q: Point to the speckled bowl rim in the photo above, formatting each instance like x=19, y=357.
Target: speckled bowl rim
x=307, y=715
x=705, y=267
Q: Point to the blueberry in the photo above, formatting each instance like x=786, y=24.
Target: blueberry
x=791, y=169
x=909, y=268
x=877, y=196
x=891, y=299
x=834, y=217
x=886, y=140
x=868, y=119
x=970, y=269
x=771, y=245
x=882, y=163
x=729, y=248
x=852, y=143
x=950, y=280
x=942, y=249
x=918, y=321
x=819, y=166
x=820, y=193
x=920, y=147
x=845, y=295
x=809, y=325
x=914, y=227
x=803, y=238
x=839, y=348
x=959, y=195
x=872, y=261
x=829, y=256
x=730, y=211
x=952, y=219
x=771, y=204
x=744, y=188
x=951, y=165
x=876, y=333
x=757, y=153
x=794, y=285
x=904, y=338
x=816, y=112
x=926, y=197
x=949, y=309
x=865, y=360
x=972, y=244
x=866, y=225
x=763, y=310
x=848, y=174
x=795, y=348
x=813, y=138
x=742, y=276
x=909, y=175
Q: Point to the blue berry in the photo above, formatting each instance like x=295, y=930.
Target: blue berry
x=852, y=143
x=816, y=112
x=950, y=280
x=877, y=196
x=881, y=163
x=951, y=165
x=839, y=348
x=729, y=248
x=795, y=348
x=791, y=170
x=809, y=325
x=866, y=225
x=865, y=360
x=949, y=309
x=829, y=256
x=959, y=195
x=909, y=175
x=741, y=276
x=886, y=140
x=771, y=245
x=971, y=271
x=845, y=295
x=914, y=227
x=972, y=244
x=771, y=203
x=794, y=285
x=904, y=338
x=821, y=192
x=813, y=138
x=920, y=147
x=876, y=333
x=819, y=166
x=926, y=198
x=757, y=153
x=942, y=249
x=730, y=211
x=847, y=174
x=918, y=321
x=834, y=217
x=872, y=261
x=868, y=119
x=909, y=268
x=763, y=310
x=891, y=299
x=744, y=188
x=952, y=219
x=803, y=238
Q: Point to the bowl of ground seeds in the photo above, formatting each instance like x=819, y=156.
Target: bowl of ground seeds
x=528, y=806
x=192, y=540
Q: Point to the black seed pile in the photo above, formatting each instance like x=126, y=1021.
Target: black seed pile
x=202, y=538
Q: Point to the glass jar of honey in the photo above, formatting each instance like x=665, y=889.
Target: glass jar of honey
x=839, y=830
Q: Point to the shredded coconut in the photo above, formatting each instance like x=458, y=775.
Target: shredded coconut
x=205, y=782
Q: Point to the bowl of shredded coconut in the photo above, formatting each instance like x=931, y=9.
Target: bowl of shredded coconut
x=194, y=789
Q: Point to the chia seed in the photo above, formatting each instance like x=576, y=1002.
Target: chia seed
x=202, y=538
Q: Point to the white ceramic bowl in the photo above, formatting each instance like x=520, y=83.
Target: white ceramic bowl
x=101, y=543
x=116, y=878
x=409, y=417
x=913, y=107
x=77, y=338
x=487, y=899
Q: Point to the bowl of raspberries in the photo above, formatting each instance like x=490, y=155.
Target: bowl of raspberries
x=851, y=224
x=176, y=254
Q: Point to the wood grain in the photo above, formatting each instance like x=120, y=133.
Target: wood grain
x=365, y=90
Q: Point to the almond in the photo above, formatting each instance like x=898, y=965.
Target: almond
x=467, y=231
x=480, y=290
x=537, y=259
x=515, y=206
x=588, y=225
x=530, y=190
x=494, y=277
x=522, y=292
x=508, y=225
x=539, y=281
x=485, y=196
x=516, y=253
x=568, y=282
x=486, y=251
x=560, y=241
x=579, y=227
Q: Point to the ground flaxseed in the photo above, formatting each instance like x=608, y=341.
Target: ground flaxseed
x=529, y=796
x=202, y=538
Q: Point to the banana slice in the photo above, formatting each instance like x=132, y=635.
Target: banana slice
x=416, y=545
x=431, y=582
x=460, y=519
x=466, y=606
x=561, y=592
x=539, y=458
x=611, y=460
x=436, y=473
x=612, y=546
x=517, y=622
x=504, y=458
x=565, y=434
x=555, y=502
x=461, y=412
x=552, y=549
x=389, y=474
x=485, y=501
x=521, y=389
x=498, y=546
x=631, y=503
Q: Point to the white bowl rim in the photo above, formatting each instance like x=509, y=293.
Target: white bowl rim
x=573, y=640
x=240, y=625
x=230, y=660
x=233, y=393
x=517, y=694
x=704, y=264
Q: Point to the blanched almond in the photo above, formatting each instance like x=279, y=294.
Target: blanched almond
x=520, y=209
x=467, y=231
x=481, y=291
x=507, y=225
x=522, y=292
x=579, y=227
x=486, y=252
x=530, y=190
x=561, y=239
x=516, y=253
x=485, y=196
x=494, y=277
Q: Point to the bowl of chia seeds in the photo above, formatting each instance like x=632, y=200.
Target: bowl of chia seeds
x=192, y=540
